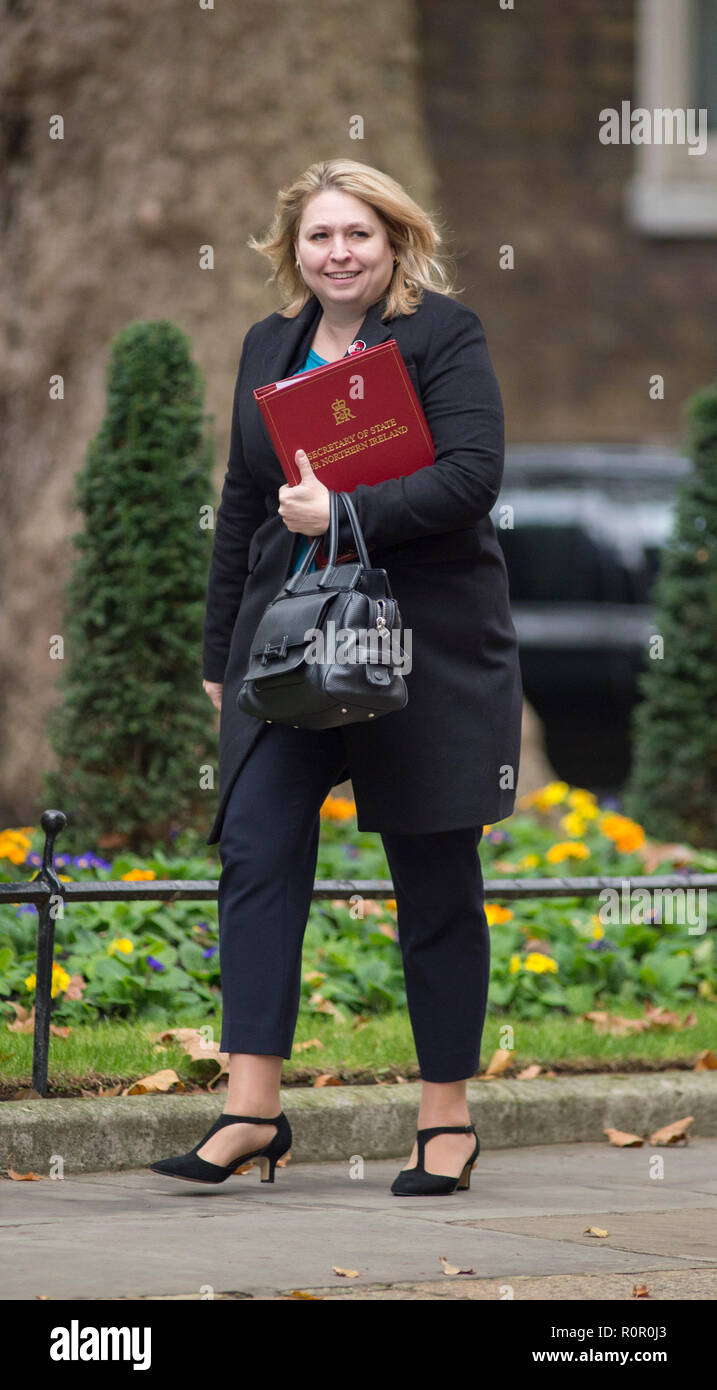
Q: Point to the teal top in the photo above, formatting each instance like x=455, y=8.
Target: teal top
x=302, y=543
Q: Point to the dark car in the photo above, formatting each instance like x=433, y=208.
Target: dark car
x=582, y=545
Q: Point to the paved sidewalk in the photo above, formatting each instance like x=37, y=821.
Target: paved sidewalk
x=520, y=1227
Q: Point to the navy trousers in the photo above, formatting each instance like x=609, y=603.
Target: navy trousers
x=268, y=851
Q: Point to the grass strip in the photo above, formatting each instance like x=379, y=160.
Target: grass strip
x=378, y=1050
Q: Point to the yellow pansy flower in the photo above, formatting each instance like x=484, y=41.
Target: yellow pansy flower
x=536, y=961
x=584, y=802
x=121, y=943
x=514, y=966
x=529, y=861
x=578, y=795
x=549, y=795
x=568, y=849
x=13, y=847
x=574, y=824
x=338, y=808
x=140, y=873
x=60, y=979
x=626, y=834
x=495, y=913
x=598, y=931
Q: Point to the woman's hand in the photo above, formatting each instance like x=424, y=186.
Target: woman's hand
x=214, y=691
x=305, y=506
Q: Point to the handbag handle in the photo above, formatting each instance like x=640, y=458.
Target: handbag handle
x=355, y=527
x=333, y=539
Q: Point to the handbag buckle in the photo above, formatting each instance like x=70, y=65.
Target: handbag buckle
x=274, y=651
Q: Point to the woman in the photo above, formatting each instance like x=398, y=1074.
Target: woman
x=357, y=260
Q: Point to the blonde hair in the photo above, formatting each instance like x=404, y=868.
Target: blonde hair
x=413, y=233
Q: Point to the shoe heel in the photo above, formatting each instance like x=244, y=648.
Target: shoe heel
x=267, y=1166
x=464, y=1180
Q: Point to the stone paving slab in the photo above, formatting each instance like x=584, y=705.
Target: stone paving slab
x=132, y=1234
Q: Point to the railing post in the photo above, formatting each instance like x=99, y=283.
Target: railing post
x=52, y=823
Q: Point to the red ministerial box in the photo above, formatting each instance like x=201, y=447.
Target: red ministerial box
x=359, y=420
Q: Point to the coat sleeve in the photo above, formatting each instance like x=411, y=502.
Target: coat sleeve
x=241, y=510
x=464, y=411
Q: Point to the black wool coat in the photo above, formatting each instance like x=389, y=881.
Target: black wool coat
x=449, y=758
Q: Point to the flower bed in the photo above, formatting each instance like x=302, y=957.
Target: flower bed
x=141, y=960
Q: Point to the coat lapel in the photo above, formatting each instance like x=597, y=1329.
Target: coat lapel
x=292, y=337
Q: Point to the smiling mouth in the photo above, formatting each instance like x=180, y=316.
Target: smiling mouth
x=342, y=274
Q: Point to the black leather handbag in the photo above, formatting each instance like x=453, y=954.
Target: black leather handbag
x=327, y=648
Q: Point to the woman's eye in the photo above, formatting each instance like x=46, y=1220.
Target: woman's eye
x=357, y=232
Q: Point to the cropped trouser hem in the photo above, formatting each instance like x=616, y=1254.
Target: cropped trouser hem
x=453, y=1068
x=258, y=1044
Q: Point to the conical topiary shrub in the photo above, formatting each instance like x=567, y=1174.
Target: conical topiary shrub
x=672, y=787
x=135, y=727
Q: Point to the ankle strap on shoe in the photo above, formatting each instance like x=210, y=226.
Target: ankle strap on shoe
x=251, y=1119
x=446, y=1129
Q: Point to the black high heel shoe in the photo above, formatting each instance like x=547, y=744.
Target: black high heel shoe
x=416, y=1182
x=195, y=1169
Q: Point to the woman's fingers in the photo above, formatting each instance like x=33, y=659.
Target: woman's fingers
x=214, y=691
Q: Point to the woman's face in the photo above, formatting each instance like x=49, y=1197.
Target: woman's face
x=341, y=234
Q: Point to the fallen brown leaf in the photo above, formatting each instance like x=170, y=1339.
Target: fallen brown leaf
x=326, y=1079
x=24, y=1177
x=623, y=1140
x=195, y=1046
x=27, y=1093
x=654, y=854
x=347, y=1273
x=615, y=1024
x=595, y=1231
x=24, y=1023
x=453, y=1269
x=158, y=1081
x=529, y=1073
x=20, y=1010
x=640, y=1291
x=324, y=1006
x=498, y=1063
x=662, y=1017
x=312, y=1042
x=674, y=1133
x=299, y=1293
x=706, y=1061
x=76, y=987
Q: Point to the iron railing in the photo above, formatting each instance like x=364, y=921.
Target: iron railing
x=45, y=889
